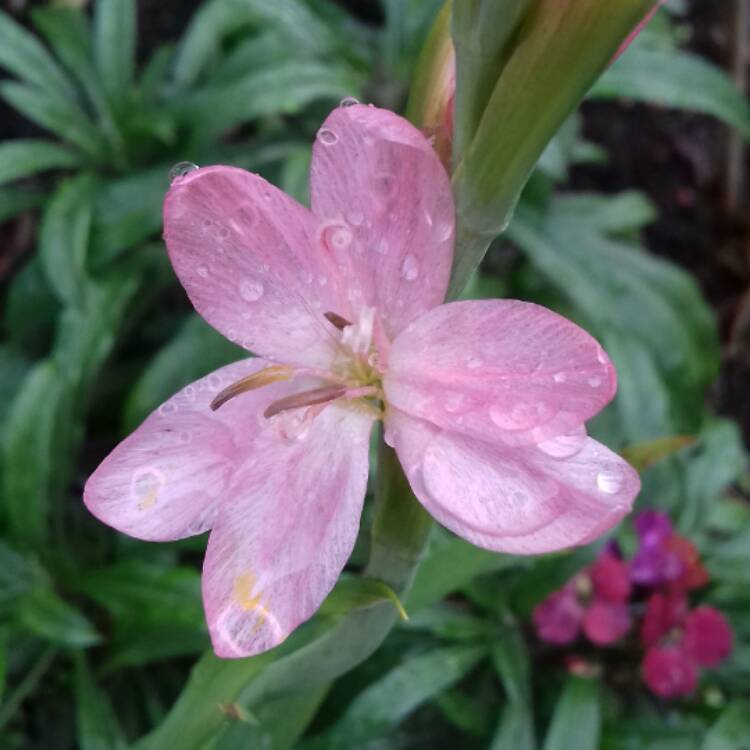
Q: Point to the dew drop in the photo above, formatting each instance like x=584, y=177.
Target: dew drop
x=601, y=356
x=322, y=280
x=611, y=480
x=327, y=137
x=185, y=437
x=170, y=407
x=595, y=381
x=246, y=215
x=559, y=377
x=453, y=403
x=355, y=218
x=181, y=169
x=348, y=101
x=410, y=268
x=564, y=446
x=202, y=272
x=305, y=276
x=251, y=290
x=443, y=231
x=223, y=233
x=522, y=416
x=473, y=363
x=382, y=246
x=337, y=237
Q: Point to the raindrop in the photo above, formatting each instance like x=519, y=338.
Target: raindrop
x=611, y=480
x=473, y=363
x=522, y=416
x=595, y=381
x=251, y=290
x=355, y=218
x=185, y=437
x=170, y=407
x=223, y=233
x=202, y=272
x=601, y=356
x=337, y=237
x=410, y=268
x=564, y=446
x=246, y=215
x=382, y=247
x=348, y=101
x=328, y=137
x=181, y=169
x=443, y=231
x=453, y=403
x=305, y=277
x=559, y=377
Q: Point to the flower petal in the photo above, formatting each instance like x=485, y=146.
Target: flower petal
x=499, y=370
x=166, y=480
x=708, y=636
x=387, y=207
x=286, y=531
x=248, y=257
x=668, y=672
x=513, y=499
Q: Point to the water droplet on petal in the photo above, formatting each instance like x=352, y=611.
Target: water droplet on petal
x=595, y=381
x=223, y=233
x=522, y=416
x=473, y=363
x=185, y=437
x=181, y=169
x=601, y=355
x=410, y=268
x=443, y=231
x=322, y=280
x=202, y=271
x=559, y=377
x=305, y=276
x=170, y=407
x=251, y=290
x=382, y=246
x=327, y=137
x=246, y=215
x=564, y=446
x=453, y=403
x=348, y=101
x=337, y=237
x=355, y=218
x=611, y=480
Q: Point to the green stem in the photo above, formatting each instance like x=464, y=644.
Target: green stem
x=26, y=686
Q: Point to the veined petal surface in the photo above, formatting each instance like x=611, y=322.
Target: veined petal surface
x=286, y=530
x=523, y=499
x=386, y=207
x=499, y=370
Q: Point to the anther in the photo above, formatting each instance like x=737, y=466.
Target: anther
x=266, y=376
x=336, y=320
x=307, y=398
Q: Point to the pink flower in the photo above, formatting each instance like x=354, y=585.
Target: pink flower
x=594, y=601
x=680, y=642
x=484, y=402
x=669, y=673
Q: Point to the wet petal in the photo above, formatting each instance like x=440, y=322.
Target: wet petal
x=286, y=530
x=513, y=499
x=387, y=209
x=166, y=480
x=248, y=258
x=499, y=370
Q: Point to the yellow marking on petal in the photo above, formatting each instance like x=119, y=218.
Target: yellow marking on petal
x=266, y=376
x=149, y=499
x=243, y=595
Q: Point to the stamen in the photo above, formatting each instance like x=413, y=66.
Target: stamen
x=306, y=398
x=336, y=320
x=266, y=376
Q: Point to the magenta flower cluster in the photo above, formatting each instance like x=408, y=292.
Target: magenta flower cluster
x=603, y=603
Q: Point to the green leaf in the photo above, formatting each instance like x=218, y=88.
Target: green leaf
x=196, y=350
x=449, y=565
x=576, y=722
x=22, y=54
x=98, y=728
x=46, y=615
x=27, y=453
x=732, y=729
x=387, y=702
x=643, y=455
x=58, y=115
x=511, y=659
x=357, y=592
x=114, y=46
x=18, y=574
x=64, y=239
x=676, y=79
x=25, y=157
x=14, y=201
x=13, y=369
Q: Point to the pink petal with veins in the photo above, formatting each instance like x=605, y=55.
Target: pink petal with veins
x=167, y=479
x=526, y=499
x=386, y=201
x=499, y=370
x=286, y=529
x=248, y=257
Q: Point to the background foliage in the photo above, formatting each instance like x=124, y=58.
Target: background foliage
x=98, y=632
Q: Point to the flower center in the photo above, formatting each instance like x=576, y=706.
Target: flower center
x=355, y=375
